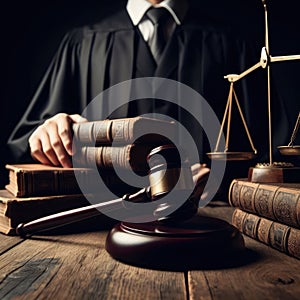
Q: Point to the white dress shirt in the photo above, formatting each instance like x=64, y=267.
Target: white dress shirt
x=137, y=9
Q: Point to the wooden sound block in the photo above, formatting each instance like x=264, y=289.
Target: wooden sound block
x=198, y=243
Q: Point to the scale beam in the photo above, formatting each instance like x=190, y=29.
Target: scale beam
x=284, y=58
x=263, y=62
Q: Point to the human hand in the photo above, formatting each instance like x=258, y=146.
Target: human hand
x=200, y=174
x=51, y=142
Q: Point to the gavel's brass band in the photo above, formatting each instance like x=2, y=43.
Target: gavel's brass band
x=163, y=181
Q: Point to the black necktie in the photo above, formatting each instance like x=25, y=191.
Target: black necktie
x=159, y=17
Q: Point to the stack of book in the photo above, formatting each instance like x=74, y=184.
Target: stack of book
x=268, y=212
x=36, y=190
x=122, y=144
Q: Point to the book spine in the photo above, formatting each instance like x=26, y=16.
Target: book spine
x=108, y=157
x=92, y=133
x=25, y=210
x=277, y=235
x=50, y=183
x=277, y=203
x=123, y=131
x=104, y=132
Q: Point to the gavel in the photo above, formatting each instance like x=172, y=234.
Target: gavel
x=167, y=172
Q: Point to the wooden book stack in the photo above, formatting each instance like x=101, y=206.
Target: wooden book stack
x=36, y=190
x=269, y=213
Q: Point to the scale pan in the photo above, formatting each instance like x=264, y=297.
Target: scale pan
x=289, y=150
x=231, y=155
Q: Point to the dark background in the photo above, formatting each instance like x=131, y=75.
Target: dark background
x=31, y=32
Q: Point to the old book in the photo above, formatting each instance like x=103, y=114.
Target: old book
x=130, y=157
x=279, y=202
x=14, y=210
x=124, y=131
x=27, y=180
x=277, y=235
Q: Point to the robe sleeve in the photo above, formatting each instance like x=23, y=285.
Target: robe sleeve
x=56, y=93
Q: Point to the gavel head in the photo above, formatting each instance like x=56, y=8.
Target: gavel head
x=171, y=173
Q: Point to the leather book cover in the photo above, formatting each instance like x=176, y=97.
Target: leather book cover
x=274, y=234
x=130, y=157
x=124, y=131
x=293, y=244
x=15, y=210
x=276, y=201
x=26, y=180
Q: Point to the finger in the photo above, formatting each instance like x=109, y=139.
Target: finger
x=64, y=132
x=196, y=167
x=201, y=175
x=77, y=118
x=37, y=151
x=55, y=139
x=48, y=149
x=200, y=181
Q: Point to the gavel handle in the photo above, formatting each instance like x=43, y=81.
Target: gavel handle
x=79, y=214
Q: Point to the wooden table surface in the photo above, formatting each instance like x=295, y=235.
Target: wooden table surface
x=77, y=266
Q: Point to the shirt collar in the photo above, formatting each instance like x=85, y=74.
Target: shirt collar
x=137, y=8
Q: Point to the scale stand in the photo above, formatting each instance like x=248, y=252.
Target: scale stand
x=262, y=172
x=279, y=172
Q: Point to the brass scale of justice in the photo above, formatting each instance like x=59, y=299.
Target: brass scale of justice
x=262, y=172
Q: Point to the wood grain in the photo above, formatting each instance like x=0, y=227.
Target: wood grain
x=217, y=209
x=7, y=242
x=265, y=274
x=78, y=267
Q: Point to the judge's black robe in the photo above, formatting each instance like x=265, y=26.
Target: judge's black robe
x=93, y=58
